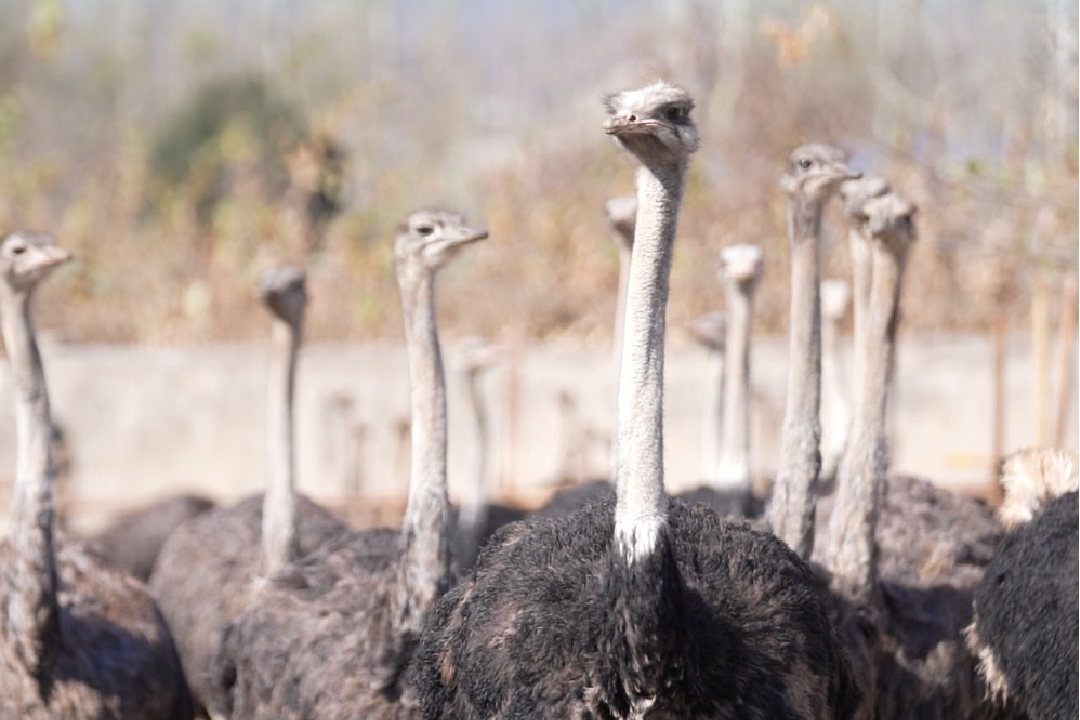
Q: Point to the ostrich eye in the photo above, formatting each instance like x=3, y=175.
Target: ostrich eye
x=806, y=163
x=676, y=114
x=425, y=230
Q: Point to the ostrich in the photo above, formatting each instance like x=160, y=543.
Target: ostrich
x=331, y=636
x=77, y=639
x=637, y=607
x=815, y=173
x=730, y=492
x=904, y=554
x=710, y=331
x=477, y=517
x=210, y=567
x=621, y=215
x=1025, y=611
x=835, y=296
x=133, y=541
x=741, y=272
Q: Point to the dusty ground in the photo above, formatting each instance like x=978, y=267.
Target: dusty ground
x=142, y=423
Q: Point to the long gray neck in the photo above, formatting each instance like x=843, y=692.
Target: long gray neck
x=712, y=422
x=795, y=489
x=279, y=539
x=861, y=263
x=33, y=614
x=426, y=565
x=851, y=551
x=733, y=472
x=474, y=505
x=837, y=403
x=641, y=510
x=625, y=256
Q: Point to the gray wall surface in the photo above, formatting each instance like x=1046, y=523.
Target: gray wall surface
x=145, y=422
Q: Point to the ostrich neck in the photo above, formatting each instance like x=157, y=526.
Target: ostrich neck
x=426, y=563
x=641, y=509
x=279, y=543
x=473, y=515
x=734, y=469
x=861, y=261
x=33, y=614
x=851, y=549
x=832, y=378
x=795, y=491
x=712, y=424
x=625, y=256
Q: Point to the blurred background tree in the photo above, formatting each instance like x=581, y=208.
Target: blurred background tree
x=180, y=148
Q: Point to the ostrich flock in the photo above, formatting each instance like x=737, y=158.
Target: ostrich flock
x=846, y=592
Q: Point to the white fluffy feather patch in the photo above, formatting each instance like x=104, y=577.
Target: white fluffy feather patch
x=639, y=538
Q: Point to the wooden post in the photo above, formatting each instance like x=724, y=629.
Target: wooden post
x=1064, y=361
x=998, y=329
x=1040, y=335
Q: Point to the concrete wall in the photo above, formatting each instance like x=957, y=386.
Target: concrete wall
x=145, y=422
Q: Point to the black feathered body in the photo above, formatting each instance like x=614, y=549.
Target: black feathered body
x=1026, y=610
x=933, y=545
x=323, y=641
x=115, y=660
x=722, y=622
x=134, y=540
x=207, y=573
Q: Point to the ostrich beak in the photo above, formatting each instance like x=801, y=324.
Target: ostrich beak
x=51, y=256
x=629, y=123
x=467, y=236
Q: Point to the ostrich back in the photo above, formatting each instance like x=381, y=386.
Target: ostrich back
x=567, y=500
x=537, y=630
x=204, y=578
x=934, y=545
x=133, y=542
x=322, y=642
x=117, y=660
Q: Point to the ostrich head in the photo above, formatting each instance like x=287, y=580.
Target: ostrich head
x=815, y=172
x=621, y=215
x=710, y=330
x=283, y=291
x=858, y=191
x=835, y=295
x=742, y=264
x=1032, y=478
x=653, y=123
x=475, y=354
x=26, y=258
x=889, y=216
x=428, y=239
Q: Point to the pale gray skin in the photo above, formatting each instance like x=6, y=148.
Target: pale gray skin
x=814, y=174
x=78, y=639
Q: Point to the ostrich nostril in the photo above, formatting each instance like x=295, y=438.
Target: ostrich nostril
x=632, y=118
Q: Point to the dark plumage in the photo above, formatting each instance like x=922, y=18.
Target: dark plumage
x=933, y=547
x=725, y=503
x=205, y=574
x=566, y=500
x=115, y=657
x=132, y=542
x=336, y=608
x=541, y=628
x=1026, y=609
